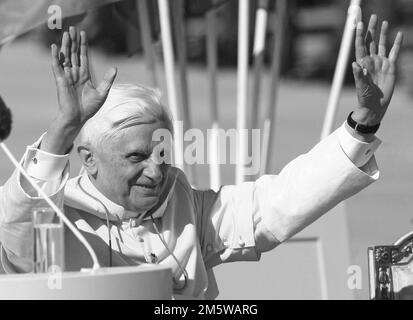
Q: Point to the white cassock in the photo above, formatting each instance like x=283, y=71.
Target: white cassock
x=199, y=228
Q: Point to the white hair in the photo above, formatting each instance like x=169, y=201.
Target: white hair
x=127, y=105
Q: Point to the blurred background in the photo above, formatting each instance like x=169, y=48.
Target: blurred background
x=311, y=44
x=378, y=215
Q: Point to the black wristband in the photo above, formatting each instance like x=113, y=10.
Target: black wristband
x=361, y=127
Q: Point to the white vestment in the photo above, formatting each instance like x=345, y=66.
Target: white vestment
x=201, y=228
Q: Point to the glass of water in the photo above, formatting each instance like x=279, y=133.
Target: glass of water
x=48, y=251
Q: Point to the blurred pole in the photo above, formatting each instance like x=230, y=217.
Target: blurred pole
x=258, y=55
x=212, y=63
x=261, y=18
x=242, y=89
x=146, y=35
x=270, y=115
x=180, y=40
x=353, y=16
x=168, y=56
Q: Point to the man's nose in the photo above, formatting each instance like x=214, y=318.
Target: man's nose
x=153, y=171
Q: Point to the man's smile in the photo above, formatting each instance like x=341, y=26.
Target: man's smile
x=149, y=190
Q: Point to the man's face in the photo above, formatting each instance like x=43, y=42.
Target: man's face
x=128, y=169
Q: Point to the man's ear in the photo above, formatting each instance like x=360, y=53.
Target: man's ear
x=88, y=160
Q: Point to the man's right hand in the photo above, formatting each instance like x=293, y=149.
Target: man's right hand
x=78, y=99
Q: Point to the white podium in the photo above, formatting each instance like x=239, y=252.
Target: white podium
x=149, y=282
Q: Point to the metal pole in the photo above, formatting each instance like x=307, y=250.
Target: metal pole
x=168, y=56
x=179, y=32
x=261, y=18
x=258, y=54
x=242, y=89
x=212, y=63
x=270, y=117
x=146, y=34
x=180, y=40
x=353, y=16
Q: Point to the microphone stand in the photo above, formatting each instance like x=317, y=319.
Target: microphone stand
x=5, y=126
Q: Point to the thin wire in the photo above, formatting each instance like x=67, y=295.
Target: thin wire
x=53, y=206
x=183, y=270
x=107, y=220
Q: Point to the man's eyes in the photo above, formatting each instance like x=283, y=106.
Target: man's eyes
x=137, y=157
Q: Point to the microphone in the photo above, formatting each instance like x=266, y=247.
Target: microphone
x=5, y=128
x=5, y=120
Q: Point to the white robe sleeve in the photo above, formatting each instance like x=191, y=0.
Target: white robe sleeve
x=18, y=198
x=240, y=222
x=311, y=185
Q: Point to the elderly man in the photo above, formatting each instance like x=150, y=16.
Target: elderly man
x=134, y=209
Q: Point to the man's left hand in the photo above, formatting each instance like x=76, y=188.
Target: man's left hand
x=374, y=72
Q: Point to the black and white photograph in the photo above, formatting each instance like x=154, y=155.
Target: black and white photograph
x=225, y=151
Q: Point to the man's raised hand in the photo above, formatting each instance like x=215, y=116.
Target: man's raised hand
x=78, y=98
x=374, y=72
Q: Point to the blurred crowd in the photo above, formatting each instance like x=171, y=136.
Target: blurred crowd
x=310, y=46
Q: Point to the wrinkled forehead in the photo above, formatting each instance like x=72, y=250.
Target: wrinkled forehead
x=143, y=137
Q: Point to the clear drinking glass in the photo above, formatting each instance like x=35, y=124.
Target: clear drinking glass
x=48, y=251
